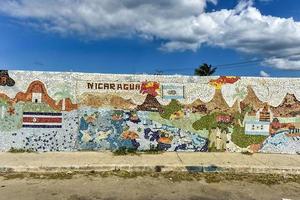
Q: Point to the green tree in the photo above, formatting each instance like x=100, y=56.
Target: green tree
x=205, y=70
x=3, y=106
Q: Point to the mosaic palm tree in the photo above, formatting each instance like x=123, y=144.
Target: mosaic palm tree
x=62, y=95
x=240, y=95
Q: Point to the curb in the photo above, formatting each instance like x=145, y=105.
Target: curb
x=156, y=168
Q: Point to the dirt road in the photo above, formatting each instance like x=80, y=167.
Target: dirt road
x=82, y=187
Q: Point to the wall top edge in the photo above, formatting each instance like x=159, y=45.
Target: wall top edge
x=141, y=75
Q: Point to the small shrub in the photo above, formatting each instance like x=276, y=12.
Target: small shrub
x=122, y=151
x=15, y=150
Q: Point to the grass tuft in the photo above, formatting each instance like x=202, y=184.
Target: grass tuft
x=123, y=151
x=15, y=150
x=267, y=179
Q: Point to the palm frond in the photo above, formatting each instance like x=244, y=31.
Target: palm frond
x=205, y=70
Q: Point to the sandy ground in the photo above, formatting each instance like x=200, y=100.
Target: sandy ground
x=81, y=187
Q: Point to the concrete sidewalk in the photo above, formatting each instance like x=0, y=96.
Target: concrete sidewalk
x=191, y=162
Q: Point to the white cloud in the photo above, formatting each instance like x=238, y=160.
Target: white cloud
x=291, y=63
x=182, y=24
x=106, y=18
x=264, y=74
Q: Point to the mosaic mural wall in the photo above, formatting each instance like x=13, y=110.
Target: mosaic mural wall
x=47, y=111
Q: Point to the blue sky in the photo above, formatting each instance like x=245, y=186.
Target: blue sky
x=41, y=41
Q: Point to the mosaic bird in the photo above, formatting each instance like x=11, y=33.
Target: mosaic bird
x=90, y=119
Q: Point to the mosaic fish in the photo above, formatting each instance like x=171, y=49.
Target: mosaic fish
x=165, y=140
x=101, y=135
x=129, y=135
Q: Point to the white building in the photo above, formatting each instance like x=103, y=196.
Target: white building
x=257, y=128
x=36, y=98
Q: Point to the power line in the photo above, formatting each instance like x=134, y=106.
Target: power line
x=233, y=65
x=192, y=68
x=239, y=63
